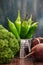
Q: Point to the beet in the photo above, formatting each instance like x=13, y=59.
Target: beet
x=37, y=41
x=38, y=54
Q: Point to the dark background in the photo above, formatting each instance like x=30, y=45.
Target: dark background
x=9, y=8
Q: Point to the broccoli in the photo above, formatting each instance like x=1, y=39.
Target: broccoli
x=8, y=45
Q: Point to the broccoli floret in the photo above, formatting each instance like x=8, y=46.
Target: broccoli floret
x=8, y=45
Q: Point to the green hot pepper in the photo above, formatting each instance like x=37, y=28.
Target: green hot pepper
x=30, y=20
x=18, y=23
x=13, y=29
x=25, y=26
x=24, y=29
x=32, y=30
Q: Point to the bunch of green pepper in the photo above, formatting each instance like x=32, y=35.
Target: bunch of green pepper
x=24, y=29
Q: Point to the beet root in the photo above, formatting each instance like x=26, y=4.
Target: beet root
x=38, y=54
x=37, y=41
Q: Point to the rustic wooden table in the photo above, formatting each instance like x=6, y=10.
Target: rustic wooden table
x=17, y=61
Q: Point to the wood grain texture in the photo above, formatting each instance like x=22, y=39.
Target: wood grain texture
x=17, y=61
